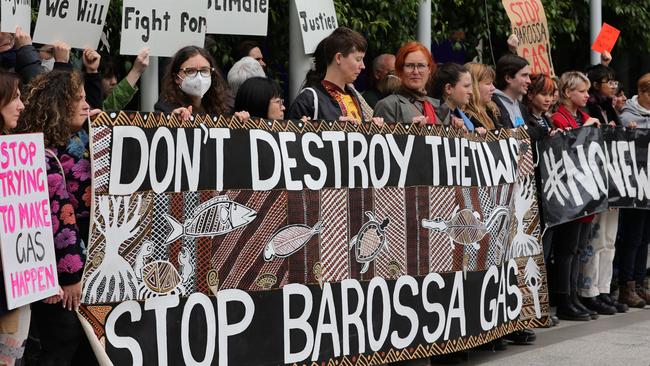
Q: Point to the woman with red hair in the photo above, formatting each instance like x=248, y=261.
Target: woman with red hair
x=410, y=104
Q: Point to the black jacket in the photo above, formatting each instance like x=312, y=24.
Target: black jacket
x=27, y=63
x=504, y=120
x=328, y=108
x=601, y=107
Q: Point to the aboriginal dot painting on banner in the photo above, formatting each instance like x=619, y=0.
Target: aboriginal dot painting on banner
x=216, y=241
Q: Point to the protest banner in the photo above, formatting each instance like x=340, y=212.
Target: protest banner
x=248, y=17
x=606, y=39
x=529, y=24
x=587, y=170
x=279, y=242
x=15, y=13
x=162, y=25
x=317, y=20
x=28, y=259
x=78, y=23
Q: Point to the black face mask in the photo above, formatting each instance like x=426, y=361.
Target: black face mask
x=8, y=58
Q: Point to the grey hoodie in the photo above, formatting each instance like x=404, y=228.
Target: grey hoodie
x=512, y=106
x=633, y=112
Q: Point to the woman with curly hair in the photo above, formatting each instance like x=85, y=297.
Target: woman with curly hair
x=56, y=105
x=193, y=84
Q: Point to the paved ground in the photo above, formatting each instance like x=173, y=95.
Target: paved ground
x=622, y=339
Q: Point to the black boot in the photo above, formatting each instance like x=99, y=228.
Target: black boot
x=593, y=303
x=576, y=302
x=567, y=311
x=525, y=336
x=609, y=300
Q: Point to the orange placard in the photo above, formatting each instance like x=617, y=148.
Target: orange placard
x=606, y=39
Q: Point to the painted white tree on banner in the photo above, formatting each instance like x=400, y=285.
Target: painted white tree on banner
x=523, y=244
x=114, y=279
x=533, y=278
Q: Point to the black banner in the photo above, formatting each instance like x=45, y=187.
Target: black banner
x=585, y=171
x=303, y=323
x=183, y=159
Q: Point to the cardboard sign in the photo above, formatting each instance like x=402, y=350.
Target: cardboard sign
x=528, y=21
x=317, y=20
x=78, y=23
x=606, y=39
x=248, y=18
x=15, y=13
x=28, y=259
x=162, y=25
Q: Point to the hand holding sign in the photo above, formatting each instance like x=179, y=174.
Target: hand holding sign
x=606, y=39
x=61, y=52
x=22, y=38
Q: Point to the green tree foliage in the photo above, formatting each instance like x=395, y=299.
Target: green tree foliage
x=388, y=24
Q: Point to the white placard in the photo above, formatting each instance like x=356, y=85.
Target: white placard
x=28, y=258
x=165, y=26
x=15, y=13
x=79, y=23
x=317, y=20
x=244, y=17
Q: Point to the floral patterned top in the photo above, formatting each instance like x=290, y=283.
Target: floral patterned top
x=70, y=204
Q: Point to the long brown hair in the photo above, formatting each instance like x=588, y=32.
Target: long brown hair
x=50, y=106
x=475, y=109
x=217, y=100
x=9, y=83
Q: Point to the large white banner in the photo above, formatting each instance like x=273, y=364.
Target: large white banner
x=245, y=17
x=78, y=22
x=15, y=13
x=28, y=258
x=165, y=26
x=317, y=20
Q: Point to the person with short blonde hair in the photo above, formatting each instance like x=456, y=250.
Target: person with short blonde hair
x=574, y=93
x=571, y=238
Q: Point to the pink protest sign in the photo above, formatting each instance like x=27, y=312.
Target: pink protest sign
x=28, y=259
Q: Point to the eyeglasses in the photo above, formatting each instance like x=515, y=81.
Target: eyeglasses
x=191, y=72
x=277, y=100
x=419, y=67
x=612, y=83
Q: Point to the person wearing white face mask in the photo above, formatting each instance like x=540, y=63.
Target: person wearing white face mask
x=192, y=84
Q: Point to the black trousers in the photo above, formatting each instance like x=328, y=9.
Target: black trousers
x=632, y=245
x=61, y=338
x=569, y=242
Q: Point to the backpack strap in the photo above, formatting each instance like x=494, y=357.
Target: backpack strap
x=313, y=91
x=51, y=153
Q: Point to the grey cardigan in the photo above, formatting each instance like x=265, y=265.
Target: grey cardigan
x=402, y=108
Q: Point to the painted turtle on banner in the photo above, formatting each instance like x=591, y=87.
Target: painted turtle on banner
x=370, y=240
x=465, y=226
x=161, y=277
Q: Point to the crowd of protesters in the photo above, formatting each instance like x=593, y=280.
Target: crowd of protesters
x=588, y=259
